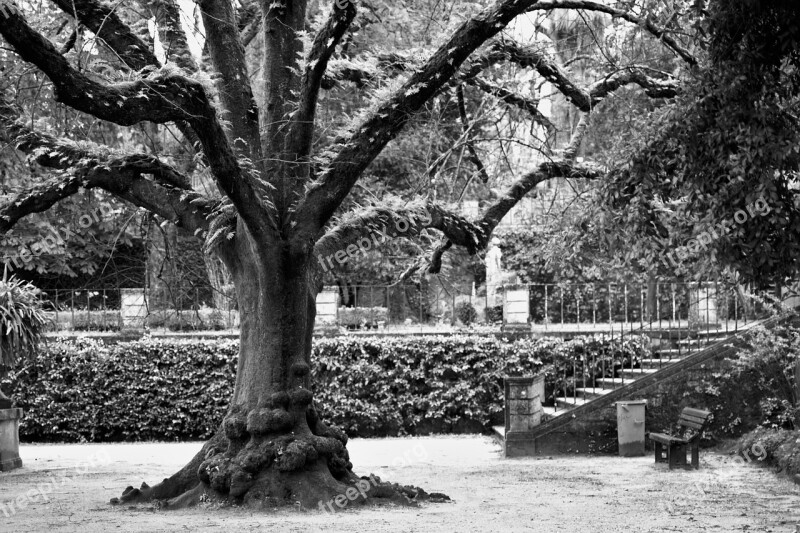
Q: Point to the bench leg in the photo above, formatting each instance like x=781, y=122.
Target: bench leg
x=660, y=453
x=696, y=456
x=672, y=456
x=677, y=455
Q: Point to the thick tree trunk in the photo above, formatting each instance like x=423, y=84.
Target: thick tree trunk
x=272, y=448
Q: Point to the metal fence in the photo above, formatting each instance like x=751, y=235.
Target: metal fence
x=101, y=310
x=559, y=308
x=671, y=319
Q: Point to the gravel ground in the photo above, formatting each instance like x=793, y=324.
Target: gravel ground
x=490, y=493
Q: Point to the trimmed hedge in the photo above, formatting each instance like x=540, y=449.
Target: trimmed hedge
x=153, y=389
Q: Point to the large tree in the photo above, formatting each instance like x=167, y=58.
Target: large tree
x=281, y=208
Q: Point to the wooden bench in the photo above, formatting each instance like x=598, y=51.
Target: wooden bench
x=693, y=422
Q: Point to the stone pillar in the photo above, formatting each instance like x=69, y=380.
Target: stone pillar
x=516, y=306
x=703, y=306
x=327, y=310
x=328, y=306
x=9, y=439
x=523, y=403
x=132, y=308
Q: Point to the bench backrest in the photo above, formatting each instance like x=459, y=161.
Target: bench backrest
x=694, y=421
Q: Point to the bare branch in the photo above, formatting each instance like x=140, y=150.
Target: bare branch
x=646, y=23
x=141, y=179
x=379, y=222
x=102, y=20
x=161, y=98
x=388, y=66
x=236, y=94
x=531, y=57
x=167, y=15
x=529, y=106
x=583, y=99
x=654, y=88
x=129, y=48
x=322, y=49
x=473, y=154
x=354, y=154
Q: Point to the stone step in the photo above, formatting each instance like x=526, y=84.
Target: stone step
x=613, y=383
x=637, y=373
x=499, y=433
x=569, y=403
x=670, y=334
x=659, y=363
x=590, y=393
x=695, y=345
x=549, y=412
x=668, y=353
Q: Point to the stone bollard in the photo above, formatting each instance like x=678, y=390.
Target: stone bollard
x=9, y=439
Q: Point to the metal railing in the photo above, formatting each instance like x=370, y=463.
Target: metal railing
x=100, y=310
x=672, y=319
x=568, y=309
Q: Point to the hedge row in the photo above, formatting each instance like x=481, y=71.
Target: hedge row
x=152, y=389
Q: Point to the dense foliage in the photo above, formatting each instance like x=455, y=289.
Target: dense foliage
x=699, y=164
x=759, y=386
x=779, y=448
x=178, y=390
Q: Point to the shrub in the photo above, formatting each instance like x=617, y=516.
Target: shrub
x=178, y=389
x=203, y=319
x=494, y=314
x=466, y=313
x=362, y=317
x=757, y=388
x=774, y=447
x=97, y=321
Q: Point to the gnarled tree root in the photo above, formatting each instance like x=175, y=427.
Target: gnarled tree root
x=261, y=459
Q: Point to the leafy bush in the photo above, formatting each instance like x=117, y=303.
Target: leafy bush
x=362, y=317
x=758, y=387
x=494, y=314
x=775, y=447
x=83, y=390
x=178, y=389
x=97, y=321
x=466, y=313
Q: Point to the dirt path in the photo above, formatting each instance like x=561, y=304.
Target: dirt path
x=550, y=495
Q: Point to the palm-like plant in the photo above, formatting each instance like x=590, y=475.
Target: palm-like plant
x=22, y=321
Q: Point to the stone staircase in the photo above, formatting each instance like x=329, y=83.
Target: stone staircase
x=674, y=345
x=564, y=425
